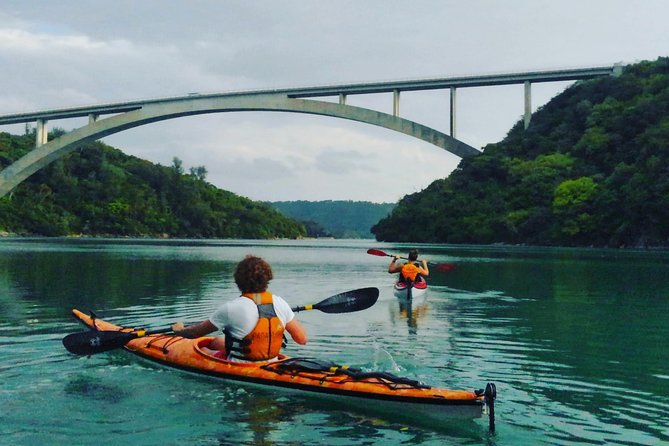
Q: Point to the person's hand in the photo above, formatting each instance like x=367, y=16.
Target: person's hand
x=396, y=257
x=178, y=326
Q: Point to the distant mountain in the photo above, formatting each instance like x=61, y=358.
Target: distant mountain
x=339, y=219
x=592, y=169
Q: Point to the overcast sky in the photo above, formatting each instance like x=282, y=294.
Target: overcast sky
x=68, y=53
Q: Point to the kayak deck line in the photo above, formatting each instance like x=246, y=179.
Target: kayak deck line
x=304, y=366
x=310, y=375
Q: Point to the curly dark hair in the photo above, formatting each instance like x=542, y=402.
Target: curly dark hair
x=253, y=274
x=413, y=254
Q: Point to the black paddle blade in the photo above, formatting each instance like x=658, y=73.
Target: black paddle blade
x=94, y=341
x=349, y=301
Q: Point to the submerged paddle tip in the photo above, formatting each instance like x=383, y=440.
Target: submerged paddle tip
x=446, y=267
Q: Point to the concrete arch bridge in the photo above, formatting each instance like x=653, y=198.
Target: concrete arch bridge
x=127, y=115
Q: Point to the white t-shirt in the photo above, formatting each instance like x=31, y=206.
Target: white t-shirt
x=240, y=316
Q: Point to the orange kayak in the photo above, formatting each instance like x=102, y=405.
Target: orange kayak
x=323, y=378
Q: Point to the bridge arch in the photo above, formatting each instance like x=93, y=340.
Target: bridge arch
x=154, y=111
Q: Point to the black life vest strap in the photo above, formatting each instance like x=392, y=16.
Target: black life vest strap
x=238, y=348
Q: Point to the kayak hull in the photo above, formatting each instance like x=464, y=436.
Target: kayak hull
x=398, y=397
x=401, y=290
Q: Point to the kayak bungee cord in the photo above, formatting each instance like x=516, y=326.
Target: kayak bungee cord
x=303, y=366
x=169, y=342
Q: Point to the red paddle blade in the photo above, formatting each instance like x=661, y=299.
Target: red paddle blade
x=376, y=252
x=445, y=267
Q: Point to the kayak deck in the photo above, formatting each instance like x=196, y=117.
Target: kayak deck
x=305, y=374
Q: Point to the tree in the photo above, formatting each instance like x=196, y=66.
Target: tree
x=572, y=206
x=199, y=172
x=177, y=166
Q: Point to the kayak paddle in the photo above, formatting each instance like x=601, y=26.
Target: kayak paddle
x=98, y=341
x=445, y=267
x=347, y=302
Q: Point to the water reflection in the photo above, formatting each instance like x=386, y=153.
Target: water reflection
x=413, y=310
x=90, y=388
x=56, y=281
x=261, y=418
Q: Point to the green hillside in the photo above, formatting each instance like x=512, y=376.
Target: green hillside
x=339, y=219
x=592, y=169
x=98, y=190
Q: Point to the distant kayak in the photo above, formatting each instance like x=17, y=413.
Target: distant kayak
x=366, y=389
x=401, y=289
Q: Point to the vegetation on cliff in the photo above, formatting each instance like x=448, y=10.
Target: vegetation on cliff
x=98, y=190
x=592, y=169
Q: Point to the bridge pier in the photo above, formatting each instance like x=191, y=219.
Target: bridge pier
x=452, y=112
x=528, y=103
x=42, y=135
x=342, y=99
x=396, y=103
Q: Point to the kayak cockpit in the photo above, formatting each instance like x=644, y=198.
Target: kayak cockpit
x=201, y=346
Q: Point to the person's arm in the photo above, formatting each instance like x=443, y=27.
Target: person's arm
x=425, y=272
x=194, y=331
x=394, y=267
x=297, y=332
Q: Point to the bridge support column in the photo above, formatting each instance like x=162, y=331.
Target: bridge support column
x=93, y=117
x=396, y=102
x=528, y=103
x=452, y=112
x=342, y=99
x=617, y=69
x=41, y=134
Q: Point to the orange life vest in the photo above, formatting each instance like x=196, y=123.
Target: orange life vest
x=264, y=342
x=410, y=271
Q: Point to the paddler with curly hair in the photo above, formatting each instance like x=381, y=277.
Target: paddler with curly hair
x=411, y=271
x=253, y=323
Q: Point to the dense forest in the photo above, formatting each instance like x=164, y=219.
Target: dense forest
x=338, y=219
x=98, y=190
x=592, y=169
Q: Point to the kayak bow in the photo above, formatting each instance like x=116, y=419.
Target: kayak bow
x=323, y=378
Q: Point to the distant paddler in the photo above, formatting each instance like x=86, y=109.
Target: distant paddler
x=412, y=274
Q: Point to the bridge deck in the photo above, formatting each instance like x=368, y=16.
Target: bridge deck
x=331, y=90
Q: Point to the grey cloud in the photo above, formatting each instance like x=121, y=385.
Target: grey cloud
x=341, y=163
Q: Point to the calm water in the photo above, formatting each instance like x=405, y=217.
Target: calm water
x=576, y=341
